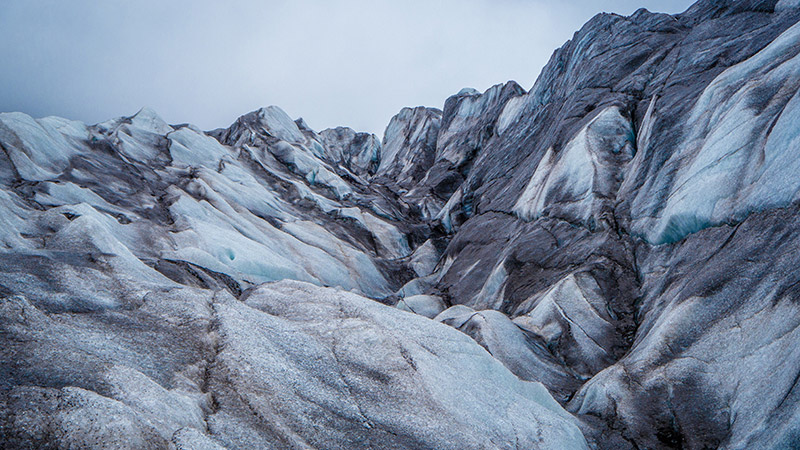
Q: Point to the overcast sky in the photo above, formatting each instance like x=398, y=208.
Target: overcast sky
x=333, y=62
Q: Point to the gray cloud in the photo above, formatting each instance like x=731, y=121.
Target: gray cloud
x=343, y=62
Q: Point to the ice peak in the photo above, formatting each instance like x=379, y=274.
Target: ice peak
x=149, y=120
x=468, y=91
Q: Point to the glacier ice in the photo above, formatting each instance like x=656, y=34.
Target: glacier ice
x=720, y=179
x=575, y=182
x=424, y=305
x=783, y=5
x=38, y=151
x=278, y=124
x=626, y=233
x=511, y=113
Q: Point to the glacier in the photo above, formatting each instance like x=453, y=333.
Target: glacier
x=605, y=260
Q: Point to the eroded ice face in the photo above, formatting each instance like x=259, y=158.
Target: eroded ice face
x=739, y=156
x=231, y=209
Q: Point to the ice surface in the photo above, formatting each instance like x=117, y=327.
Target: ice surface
x=191, y=148
x=573, y=183
x=309, y=343
x=79, y=417
x=465, y=113
x=387, y=235
x=163, y=408
x=424, y=259
x=410, y=135
x=512, y=346
x=363, y=275
x=140, y=249
x=235, y=210
x=720, y=178
x=445, y=215
x=65, y=193
x=37, y=149
x=783, y=5
x=93, y=231
x=277, y=123
x=357, y=152
x=511, y=113
x=241, y=188
x=573, y=313
x=424, y=305
x=224, y=243
x=300, y=161
x=149, y=120
x=492, y=291
x=15, y=221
